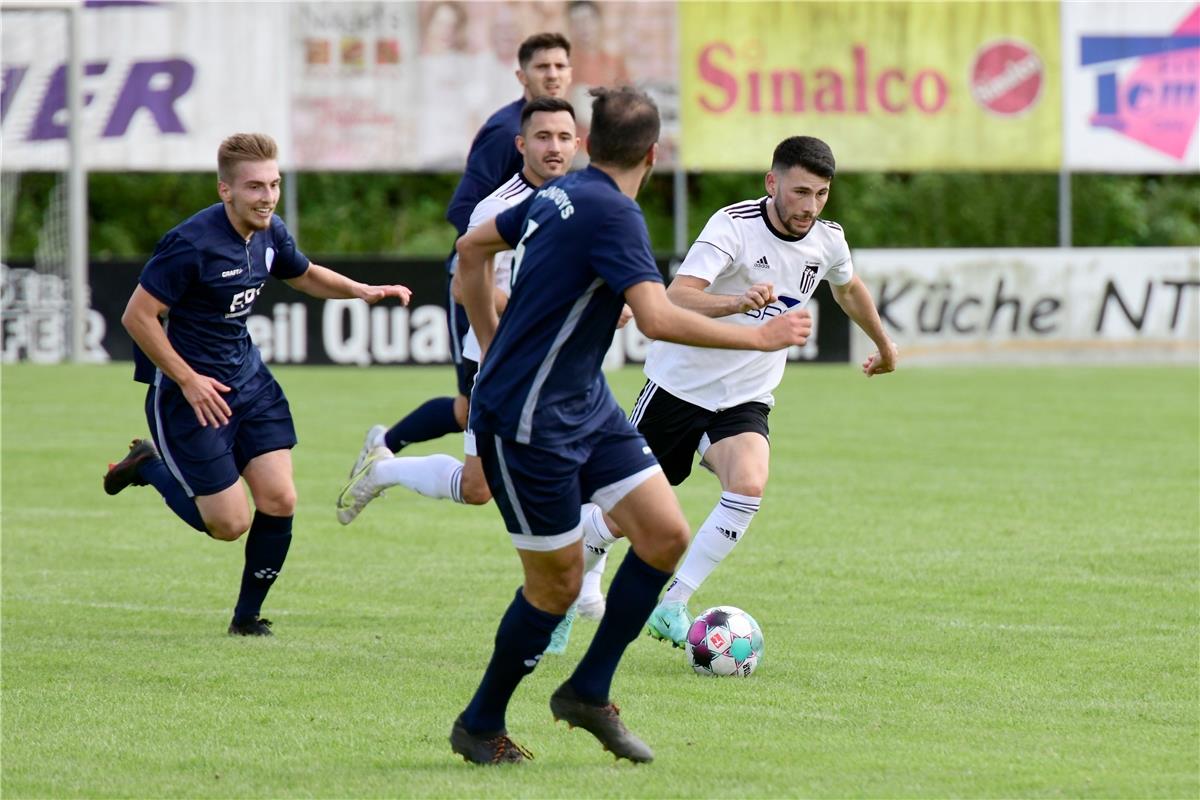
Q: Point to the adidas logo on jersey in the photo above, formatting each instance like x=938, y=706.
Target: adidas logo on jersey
x=762, y=263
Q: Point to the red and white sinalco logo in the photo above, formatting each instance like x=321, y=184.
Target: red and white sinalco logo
x=1007, y=77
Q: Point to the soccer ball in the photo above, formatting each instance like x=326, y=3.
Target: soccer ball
x=724, y=641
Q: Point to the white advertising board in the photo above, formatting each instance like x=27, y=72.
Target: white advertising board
x=1116, y=305
x=340, y=85
x=1131, y=86
x=163, y=83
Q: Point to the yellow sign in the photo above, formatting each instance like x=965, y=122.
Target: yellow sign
x=889, y=85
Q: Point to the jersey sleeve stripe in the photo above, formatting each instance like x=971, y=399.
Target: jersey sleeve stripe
x=513, y=187
x=710, y=244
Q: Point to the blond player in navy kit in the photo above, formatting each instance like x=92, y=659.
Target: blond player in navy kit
x=216, y=413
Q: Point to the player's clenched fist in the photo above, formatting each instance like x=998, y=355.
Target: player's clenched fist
x=882, y=361
x=757, y=296
x=786, y=330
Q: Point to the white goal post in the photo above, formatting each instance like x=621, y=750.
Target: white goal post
x=75, y=169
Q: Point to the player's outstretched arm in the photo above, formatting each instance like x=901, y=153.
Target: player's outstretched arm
x=141, y=319
x=476, y=277
x=689, y=292
x=326, y=284
x=659, y=318
x=855, y=299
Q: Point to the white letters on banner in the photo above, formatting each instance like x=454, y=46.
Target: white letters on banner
x=282, y=337
x=1131, y=86
x=1036, y=305
x=355, y=333
x=33, y=325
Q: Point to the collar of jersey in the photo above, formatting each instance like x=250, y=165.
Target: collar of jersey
x=787, y=237
x=603, y=175
x=521, y=177
x=229, y=227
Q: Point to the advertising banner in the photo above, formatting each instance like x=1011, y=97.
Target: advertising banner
x=890, y=85
x=290, y=327
x=340, y=85
x=407, y=85
x=1104, y=305
x=163, y=83
x=1131, y=73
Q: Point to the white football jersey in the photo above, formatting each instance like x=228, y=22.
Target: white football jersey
x=510, y=194
x=738, y=248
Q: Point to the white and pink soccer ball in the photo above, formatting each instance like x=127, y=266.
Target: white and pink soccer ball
x=724, y=641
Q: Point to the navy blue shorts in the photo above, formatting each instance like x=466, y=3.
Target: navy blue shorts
x=457, y=322
x=539, y=490
x=206, y=460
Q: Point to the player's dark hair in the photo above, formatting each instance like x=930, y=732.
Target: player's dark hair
x=550, y=104
x=541, y=41
x=243, y=147
x=808, y=152
x=625, y=124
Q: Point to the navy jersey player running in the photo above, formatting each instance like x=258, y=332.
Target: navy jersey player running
x=549, y=144
x=549, y=433
x=544, y=70
x=214, y=409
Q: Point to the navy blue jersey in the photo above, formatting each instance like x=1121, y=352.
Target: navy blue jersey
x=492, y=160
x=580, y=244
x=209, y=277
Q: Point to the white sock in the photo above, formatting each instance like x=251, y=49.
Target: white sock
x=597, y=538
x=438, y=476
x=723, y=529
x=591, y=578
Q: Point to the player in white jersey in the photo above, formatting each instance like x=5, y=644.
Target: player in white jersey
x=753, y=261
x=548, y=143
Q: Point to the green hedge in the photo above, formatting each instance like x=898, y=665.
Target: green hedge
x=401, y=214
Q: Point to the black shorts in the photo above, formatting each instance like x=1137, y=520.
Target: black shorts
x=675, y=429
x=468, y=370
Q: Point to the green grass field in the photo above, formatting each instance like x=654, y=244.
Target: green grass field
x=972, y=583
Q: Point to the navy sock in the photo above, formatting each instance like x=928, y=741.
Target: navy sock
x=154, y=472
x=266, y=548
x=632, y=595
x=521, y=639
x=431, y=420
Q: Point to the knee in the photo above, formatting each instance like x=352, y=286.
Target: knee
x=663, y=549
x=675, y=542
x=475, y=490
x=564, y=594
x=748, y=487
x=555, y=594
x=278, y=503
x=461, y=407
x=228, y=529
